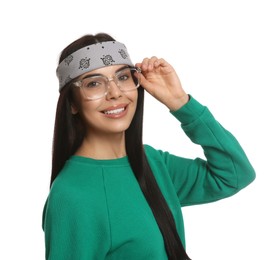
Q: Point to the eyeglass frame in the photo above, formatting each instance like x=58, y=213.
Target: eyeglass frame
x=78, y=83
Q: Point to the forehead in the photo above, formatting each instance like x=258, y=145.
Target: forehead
x=107, y=71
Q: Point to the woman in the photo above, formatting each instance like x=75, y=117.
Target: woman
x=111, y=197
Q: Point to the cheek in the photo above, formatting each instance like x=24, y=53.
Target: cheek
x=92, y=106
x=88, y=110
x=132, y=96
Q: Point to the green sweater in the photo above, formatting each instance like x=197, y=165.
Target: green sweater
x=96, y=210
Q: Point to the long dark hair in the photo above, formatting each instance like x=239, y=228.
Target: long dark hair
x=69, y=133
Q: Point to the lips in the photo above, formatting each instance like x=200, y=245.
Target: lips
x=115, y=111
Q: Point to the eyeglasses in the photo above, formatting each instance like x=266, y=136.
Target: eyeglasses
x=96, y=86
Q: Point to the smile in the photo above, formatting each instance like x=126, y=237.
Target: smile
x=114, y=111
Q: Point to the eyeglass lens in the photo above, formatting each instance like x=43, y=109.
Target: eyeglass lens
x=96, y=86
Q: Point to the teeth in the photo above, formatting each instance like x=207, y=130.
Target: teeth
x=115, y=111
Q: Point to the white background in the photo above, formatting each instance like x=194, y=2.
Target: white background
x=221, y=51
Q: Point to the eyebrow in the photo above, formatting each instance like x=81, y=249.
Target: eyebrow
x=99, y=74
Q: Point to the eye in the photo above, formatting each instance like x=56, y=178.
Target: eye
x=124, y=75
x=92, y=83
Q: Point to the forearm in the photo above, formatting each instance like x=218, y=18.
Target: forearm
x=226, y=169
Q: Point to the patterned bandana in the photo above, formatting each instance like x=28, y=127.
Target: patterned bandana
x=90, y=58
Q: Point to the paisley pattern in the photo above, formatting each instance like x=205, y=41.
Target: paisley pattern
x=107, y=60
x=84, y=63
x=123, y=54
x=92, y=57
x=68, y=60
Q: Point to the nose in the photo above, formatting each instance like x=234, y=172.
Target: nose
x=113, y=91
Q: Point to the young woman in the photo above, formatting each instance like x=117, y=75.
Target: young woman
x=111, y=196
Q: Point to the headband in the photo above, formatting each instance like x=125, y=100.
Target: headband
x=90, y=58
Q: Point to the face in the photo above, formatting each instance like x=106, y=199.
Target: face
x=110, y=114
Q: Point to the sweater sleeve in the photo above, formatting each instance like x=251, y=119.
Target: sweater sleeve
x=73, y=230
x=226, y=169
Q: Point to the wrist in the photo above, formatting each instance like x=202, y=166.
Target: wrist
x=177, y=103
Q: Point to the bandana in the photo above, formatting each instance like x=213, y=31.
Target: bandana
x=92, y=57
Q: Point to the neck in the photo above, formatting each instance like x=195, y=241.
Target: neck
x=103, y=147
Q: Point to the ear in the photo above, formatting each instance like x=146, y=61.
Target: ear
x=74, y=109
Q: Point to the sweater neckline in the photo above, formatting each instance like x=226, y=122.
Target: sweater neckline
x=110, y=162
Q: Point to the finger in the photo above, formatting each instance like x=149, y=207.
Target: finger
x=143, y=81
x=155, y=63
x=164, y=65
x=152, y=63
x=149, y=63
x=138, y=65
x=145, y=64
